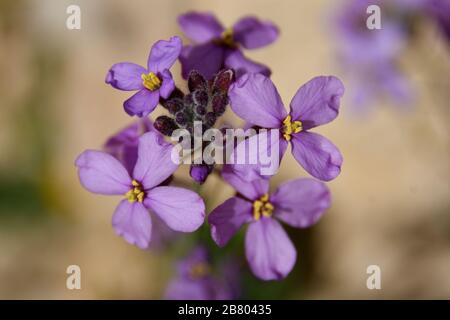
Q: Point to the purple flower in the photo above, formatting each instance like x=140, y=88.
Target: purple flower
x=269, y=251
x=124, y=147
x=216, y=47
x=181, y=209
x=152, y=83
x=195, y=280
x=255, y=99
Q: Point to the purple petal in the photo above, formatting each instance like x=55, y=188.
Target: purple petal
x=236, y=60
x=125, y=76
x=164, y=54
x=253, y=33
x=317, y=101
x=181, y=209
x=317, y=155
x=270, y=253
x=132, y=222
x=141, y=103
x=200, y=27
x=123, y=145
x=168, y=85
x=101, y=173
x=251, y=187
x=260, y=155
x=154, y=163
x=254, y=98
x=226, y=219
x=206, y=58
x=301, y=202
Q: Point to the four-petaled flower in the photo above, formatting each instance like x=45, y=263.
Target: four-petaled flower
x=255, y=99
x=269, y=251
x=154, y=82
x=216, y=47
x=181, y=209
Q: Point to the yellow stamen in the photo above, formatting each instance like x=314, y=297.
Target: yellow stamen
x=199, y=270
x=227, y=39
x=135, y=194
x=290, y=127
x=263, y=207
x=151, y=81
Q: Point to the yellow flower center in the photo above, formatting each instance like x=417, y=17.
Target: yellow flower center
x=199, y=270
x=135, y=194
x=262, y=207
x=151, y=81
x=290, y=127
x=226, y=38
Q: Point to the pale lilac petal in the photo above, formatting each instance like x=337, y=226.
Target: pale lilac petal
x=200, y=27
x=241, y=65
x=259, y=155
x=251, y=187
x=253, y=33
x=168, y=85
x=317, y=101
x=132, y=221
x=125, y=76
x=206, y=58
x=254, y=98
x=317, y=155
x=164, y=54
x=301, y=202
x=181, y=209
x=227, y=219
x=101, y=173
x=270, y=253
x=141, y=103
x=154, y=163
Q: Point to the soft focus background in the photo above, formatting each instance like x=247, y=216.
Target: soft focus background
x=391, y=202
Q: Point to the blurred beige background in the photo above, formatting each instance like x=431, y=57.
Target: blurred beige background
x=391, y=202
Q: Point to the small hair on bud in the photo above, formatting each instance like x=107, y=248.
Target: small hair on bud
x=165, y=125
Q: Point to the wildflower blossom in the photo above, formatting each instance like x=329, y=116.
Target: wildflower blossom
x=269, y=251
x=124, y=147
x=152, y=82
x=181, y=209
x=255, y=99
x=217, y=47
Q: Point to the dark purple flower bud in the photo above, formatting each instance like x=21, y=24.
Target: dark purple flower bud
x=222, y=81
x=200, y=110
x=174, y=105
x=210, y=119
x=181, y=118
x=176, y=94
x=219, y=103
x=188, y=100
x=196, y=81
x=199, y=172
x=165, y=125
x=200, y=97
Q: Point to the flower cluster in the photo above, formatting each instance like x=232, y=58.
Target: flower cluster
x=139, y=164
